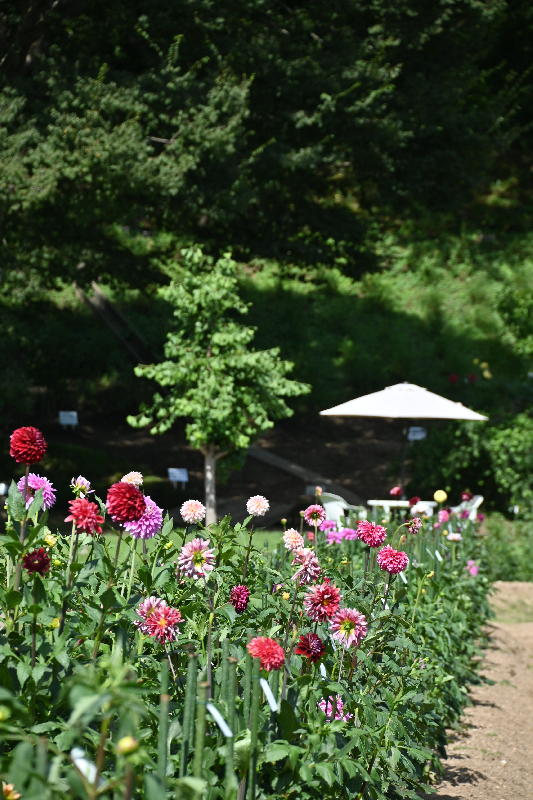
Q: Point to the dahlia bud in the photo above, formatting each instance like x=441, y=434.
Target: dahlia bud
x=127, y=745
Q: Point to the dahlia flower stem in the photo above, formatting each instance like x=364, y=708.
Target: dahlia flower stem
x=225, y=666
x=170, y=663
x=254, y=727
x=353, y=664
x=248, y=552
x=164, y=701
x=209, y=666
x=133, y=554
x=22, y=535
x=247, y=687
x=34, y=629
x=200, y=729
x=291, y=612
x=366, y=569
x=420, y=587
x=188, y=711
x=71, y=549
x=104, y=727
x=121, y=532
x=316, y=538
x=231, y=781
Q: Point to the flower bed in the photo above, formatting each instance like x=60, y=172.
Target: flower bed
x=203, y=666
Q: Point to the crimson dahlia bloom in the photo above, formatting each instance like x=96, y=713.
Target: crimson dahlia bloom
x=311, y=646
x=371, y=534
x=270, y=652
x=239, y=598
x=467, y=496
x=85, y=516
x=414, y=500
x=27, y=445
x=37, y=561
x=322, y=601
x=125, y=502
x=393, y=561
x=162, y=623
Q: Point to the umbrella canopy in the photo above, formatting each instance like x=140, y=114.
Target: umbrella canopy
x=403, y=401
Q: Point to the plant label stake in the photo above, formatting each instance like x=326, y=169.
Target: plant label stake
x=271, y=700
x=219, y=719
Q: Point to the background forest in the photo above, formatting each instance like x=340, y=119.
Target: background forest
x=368, y=163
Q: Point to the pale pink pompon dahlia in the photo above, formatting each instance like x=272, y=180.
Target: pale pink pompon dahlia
x=196, y=559
x=192, y=511
x=315, y=514
x=257, y=505
x=392, y=561
x=270, y=652
x=292, y=539
x=371, y=534
x=348, y=626
x=135, y=478
x=309, y=569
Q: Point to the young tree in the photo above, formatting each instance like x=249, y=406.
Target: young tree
x=230, y=391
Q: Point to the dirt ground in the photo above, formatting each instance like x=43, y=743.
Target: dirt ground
x=493, y=758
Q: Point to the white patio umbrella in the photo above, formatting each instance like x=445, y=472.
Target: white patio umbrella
x=404, y=401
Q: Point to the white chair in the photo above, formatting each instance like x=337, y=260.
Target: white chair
x=469, y=505
x=337, y=508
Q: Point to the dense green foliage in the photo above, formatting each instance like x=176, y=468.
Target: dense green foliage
x=507, y=553
x=403, y=685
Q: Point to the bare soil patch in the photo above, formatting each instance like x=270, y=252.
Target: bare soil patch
x=493, y=758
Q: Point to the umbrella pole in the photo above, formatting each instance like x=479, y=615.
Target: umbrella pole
x=404, y=452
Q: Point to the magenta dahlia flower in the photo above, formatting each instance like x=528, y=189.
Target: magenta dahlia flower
x=150, y=522
x=414, y=525
x=239, y=598
x=270, y=652
x=467, y=496
x=371, y=534
x=196, y=559
x=36, y=482
x=309, y=569
x=393, y=561
x=348, y=626
x=145, y=610
x=315, y=514
x=349, y=534
x=465, y=513
x=257, y=505
x=162, y=623
x=334, y=537
x=27, y=445
x=322, y=601
x=328, y=525
x=192, y=511
x=328, y=710
x=292, y=539
x=85, y=516
x=311, y=646
x=125, y=503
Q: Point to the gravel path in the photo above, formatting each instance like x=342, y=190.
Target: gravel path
x=493, y=759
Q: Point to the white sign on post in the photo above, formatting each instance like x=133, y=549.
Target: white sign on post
x=68, y=419
x=176, y=476
x=416, y=434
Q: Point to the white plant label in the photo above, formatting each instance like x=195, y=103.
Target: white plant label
x=219, y=719
x=271, y=700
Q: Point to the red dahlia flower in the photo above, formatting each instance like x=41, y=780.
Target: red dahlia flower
x=311, y=646
x=27, y=445
x=270, y=652
x=466, y=496
x=162, y=623
x=125, y=502
x=37, y=561
x=85, y=516
x=322, y=601
x=239, y=598
x=414, y=500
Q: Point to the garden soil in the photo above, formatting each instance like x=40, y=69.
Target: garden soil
x=492, y=759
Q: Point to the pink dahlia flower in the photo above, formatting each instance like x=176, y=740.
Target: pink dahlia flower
x=309, y=569
x=81, y=486
x=135, y=478
x=444, y=515
x=467, y=496
x=270, y=652
x=257, y=505
x=371, y=534
x=35, y=482
x=414, y=525
x=149, y=524
x=292, y=539
x=311, y=646
x=396, y=491
x=328, y=710
x=315, y=514
x=454, y=537
x=196, y=559
x=322, y=601
x=436, y=526
x=162, y=623
x=348, y=626
x=334, y=537
x=192, y=511
x=310, y=536
x=472, y=568
x=328, y=525
x=239, y=598
x=464, y=514
x=145, y=610
x=349, y=534
x=85, y=516
x=393, y=561
x=480, y=517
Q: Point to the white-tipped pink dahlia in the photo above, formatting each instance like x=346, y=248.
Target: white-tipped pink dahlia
x=292, y=539
x=348, y=626
x=135, y=478
x=315, y=514
x=145, y=610
x=192, y=511
x=196, y=560
x=309, y=569
x=257, y=505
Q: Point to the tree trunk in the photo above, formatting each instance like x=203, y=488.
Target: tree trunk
x=210, y=485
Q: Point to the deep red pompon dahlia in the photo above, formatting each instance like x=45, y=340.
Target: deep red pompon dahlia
x=311, y=646
x=239, y=598
x=125, y=502
x=270, y=652
x=85, y=516
x=27, y=445
x=37, y=561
